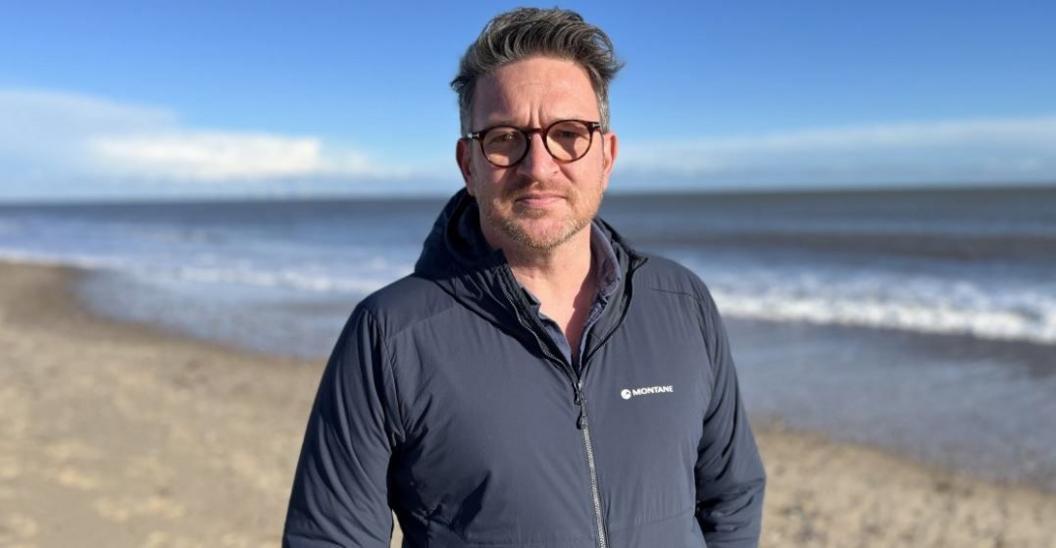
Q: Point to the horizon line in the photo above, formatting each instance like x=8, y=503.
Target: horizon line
x=782, y=190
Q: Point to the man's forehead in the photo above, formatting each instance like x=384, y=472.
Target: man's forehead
x=518, y=113
x=540, y=74
x=556, y=88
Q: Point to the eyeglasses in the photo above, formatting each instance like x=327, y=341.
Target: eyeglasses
x=565, y=140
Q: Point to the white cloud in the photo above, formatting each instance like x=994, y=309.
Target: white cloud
x=207, y=155
x=954, y=151
x=224, y=156
x=50, y=138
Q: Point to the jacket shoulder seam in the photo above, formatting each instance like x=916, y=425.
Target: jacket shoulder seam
x=419, y=320
x=390, y=366
x=682, y=293
x=387, y=363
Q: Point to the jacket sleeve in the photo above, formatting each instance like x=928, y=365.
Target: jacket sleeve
x=729, y=473
x=339, y=495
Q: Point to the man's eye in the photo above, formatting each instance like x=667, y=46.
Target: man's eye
x=503, y=139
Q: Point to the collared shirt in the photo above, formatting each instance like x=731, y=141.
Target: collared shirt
x=604, y=267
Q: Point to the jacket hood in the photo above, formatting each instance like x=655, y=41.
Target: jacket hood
x=457, y=257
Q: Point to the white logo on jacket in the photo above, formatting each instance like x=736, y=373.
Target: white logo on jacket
x=628, y=393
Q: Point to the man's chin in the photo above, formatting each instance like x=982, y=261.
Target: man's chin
x=542, y=234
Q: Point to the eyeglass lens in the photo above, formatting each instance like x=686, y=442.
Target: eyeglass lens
x=566, y=141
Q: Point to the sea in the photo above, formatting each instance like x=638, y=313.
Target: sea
x=922, y=322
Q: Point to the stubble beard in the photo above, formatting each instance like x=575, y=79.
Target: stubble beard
x=517, y=232
x=516, y=225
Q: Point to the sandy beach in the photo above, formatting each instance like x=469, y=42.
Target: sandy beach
x=117, y=435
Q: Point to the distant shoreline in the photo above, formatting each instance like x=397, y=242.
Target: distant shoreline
x=616, y=192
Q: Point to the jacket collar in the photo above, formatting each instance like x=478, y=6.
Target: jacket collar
x=456, y=257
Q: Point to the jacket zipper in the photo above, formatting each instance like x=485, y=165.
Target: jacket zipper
x=581, y=421
x=582, y=424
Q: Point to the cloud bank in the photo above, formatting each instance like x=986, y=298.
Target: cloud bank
x=954, y=151
x=70, y=142
x=224, y=156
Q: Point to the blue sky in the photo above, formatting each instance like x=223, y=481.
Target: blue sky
x=134, y=100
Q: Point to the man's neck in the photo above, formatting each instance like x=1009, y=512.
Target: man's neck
x=559, y=272
x=560, y=278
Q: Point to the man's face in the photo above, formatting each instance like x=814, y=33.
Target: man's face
x=539, y=203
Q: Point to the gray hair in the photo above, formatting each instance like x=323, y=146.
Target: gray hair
x=527, y=32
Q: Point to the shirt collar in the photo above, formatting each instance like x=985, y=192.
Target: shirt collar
x=603, y=265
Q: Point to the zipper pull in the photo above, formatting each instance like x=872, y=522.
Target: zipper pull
x=581, y=422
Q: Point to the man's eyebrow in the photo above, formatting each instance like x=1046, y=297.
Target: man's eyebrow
x=500, y=122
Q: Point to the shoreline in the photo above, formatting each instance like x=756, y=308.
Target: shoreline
x=119, y=434
x=123, y=434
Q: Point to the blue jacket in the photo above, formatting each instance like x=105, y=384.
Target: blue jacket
x=445, y=401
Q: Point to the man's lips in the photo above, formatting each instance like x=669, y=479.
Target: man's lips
x=542, y=199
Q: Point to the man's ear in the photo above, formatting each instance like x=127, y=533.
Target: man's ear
x=464, y=158
x=610, y=147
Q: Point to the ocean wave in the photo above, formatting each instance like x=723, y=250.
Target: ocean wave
x=927, y=304
x=87, y=262
x=287, y=278
x=948, y=302
x=365, y=276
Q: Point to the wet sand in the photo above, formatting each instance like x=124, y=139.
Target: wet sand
x=116, y=434
x=982, y=406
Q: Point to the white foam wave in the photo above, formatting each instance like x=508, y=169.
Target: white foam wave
x=86, y=262
x=364, y=277
x=1018, y=310
x=304, y=280
x=920, y=303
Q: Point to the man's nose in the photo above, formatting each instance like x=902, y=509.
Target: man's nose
x=537, y=163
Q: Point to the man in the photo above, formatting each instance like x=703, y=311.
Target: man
x=535, y=382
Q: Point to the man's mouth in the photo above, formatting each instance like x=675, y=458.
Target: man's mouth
x=539, y=199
